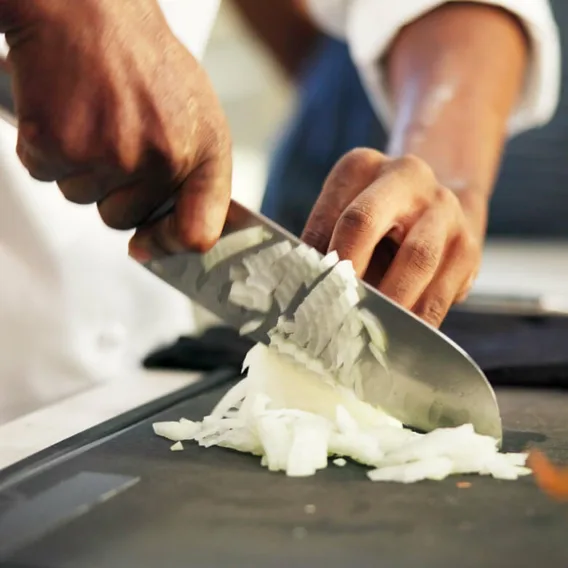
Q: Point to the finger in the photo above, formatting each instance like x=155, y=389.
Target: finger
x=95, y=184
x=349, y=177
x=417, y=259
x=395, y=199
x=445, y=287
x=382, y=258
x=198, y=218
x=129, y=206
x=42, y=165
x=465, y=289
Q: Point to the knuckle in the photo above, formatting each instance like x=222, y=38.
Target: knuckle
x=435, y=310
x=417, y=166
x=422, y=256
x=468, y=249
x=74, y=193
x=357, y=218
x=315, y=238
x=463, y=294
x=447, y=198
x=357, y=164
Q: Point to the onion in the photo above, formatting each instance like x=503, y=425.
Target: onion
x=177, y=431
x=436, y=468
x=250, y=326
x=177, y=447
x=232, y=244
x=302, y=400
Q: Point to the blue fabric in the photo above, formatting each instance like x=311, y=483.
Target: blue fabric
x=333, y=116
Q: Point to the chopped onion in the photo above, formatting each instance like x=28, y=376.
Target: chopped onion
x=177, y=431
x=249, y=297
x=250, y=326
x=302, y=400
x=177, y=447
x=232, y=244
x=308, y=451
x=238, y=273
x=436, y=468
x=232, y=399
x=374, y=329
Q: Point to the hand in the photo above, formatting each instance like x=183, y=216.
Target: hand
x=113, y=108
x=370, y=201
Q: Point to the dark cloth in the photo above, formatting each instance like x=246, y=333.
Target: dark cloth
x=512, y=351
x=333, y=115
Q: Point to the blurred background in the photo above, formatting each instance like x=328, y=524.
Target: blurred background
x=255, y=95
x=258, y=98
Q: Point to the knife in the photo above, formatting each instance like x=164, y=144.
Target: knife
x=431, y=382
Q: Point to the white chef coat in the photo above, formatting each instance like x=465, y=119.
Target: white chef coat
x=74, y=309
x=369, y=26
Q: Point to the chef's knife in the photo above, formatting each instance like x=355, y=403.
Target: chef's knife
x=431, y=381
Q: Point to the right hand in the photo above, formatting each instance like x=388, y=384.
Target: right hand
x=113, y=108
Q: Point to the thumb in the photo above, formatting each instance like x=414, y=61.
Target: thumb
x=197, y=218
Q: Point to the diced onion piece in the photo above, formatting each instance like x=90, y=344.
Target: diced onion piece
x=232, y=244
x=242, y=440
x=177, y=447
x=177, y=431
x=328, y=261
x=374, y=329
x=437, y=468
x=345, y=422
x=308, y=452
x=290, y=272
x=519, y=460
x=276, y=439
x=261, y=282
x=378, y=355
x=250, y=326
x=312, y=266
x=441, y=442
x=232, y=399
x=238, y=273
x=285, y=326
x=249, y=297
x=263, y=259
x=340, y=462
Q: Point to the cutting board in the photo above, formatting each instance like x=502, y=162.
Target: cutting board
x=214, y=507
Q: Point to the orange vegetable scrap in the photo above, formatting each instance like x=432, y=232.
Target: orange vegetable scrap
x=463, y=484
x=552, y=479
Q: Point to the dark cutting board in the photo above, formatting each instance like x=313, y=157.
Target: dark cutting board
x=205, y=508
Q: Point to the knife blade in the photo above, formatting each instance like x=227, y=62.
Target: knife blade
x=431, y=381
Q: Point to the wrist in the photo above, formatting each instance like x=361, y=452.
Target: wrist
x=475, y=207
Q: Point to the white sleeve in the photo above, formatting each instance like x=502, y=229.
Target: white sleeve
x=369, y=27
x=191, y=21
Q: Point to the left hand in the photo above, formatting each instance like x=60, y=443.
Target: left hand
x=369, y=202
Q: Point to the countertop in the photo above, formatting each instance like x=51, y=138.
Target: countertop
x=38, y=430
